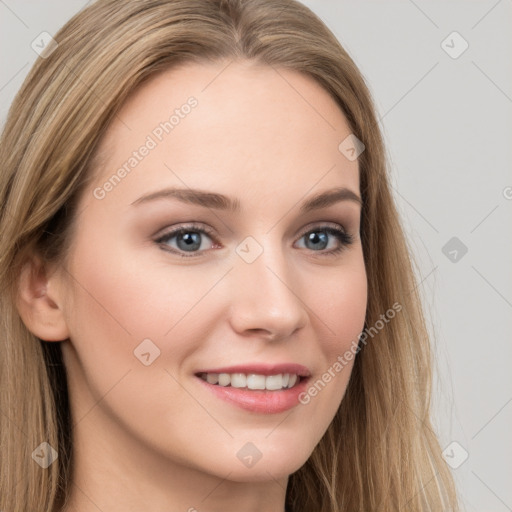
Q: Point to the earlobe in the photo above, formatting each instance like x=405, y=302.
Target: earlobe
x=40, y=312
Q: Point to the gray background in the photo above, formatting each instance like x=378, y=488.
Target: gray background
x=448, y=127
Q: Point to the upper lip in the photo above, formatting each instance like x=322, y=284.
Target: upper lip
x=261, y=369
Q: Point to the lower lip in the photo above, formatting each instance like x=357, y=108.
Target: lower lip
x=259, y=400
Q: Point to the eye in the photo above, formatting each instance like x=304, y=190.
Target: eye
x=317, y=239
x=187, y=239
x=191, y=239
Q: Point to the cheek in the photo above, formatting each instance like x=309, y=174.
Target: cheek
x=340, y=305
x=119, y=303
x=136, y=297
x=339, y=313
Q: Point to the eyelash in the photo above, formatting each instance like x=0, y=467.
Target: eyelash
x=344, y=238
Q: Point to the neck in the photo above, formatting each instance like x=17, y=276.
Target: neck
x=113, y=472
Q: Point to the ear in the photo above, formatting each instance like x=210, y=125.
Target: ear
x=38, y=302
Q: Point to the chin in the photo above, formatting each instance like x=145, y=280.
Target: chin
x=274, y=463
x=261, y=472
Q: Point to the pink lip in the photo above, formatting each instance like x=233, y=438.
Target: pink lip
x=260, y=401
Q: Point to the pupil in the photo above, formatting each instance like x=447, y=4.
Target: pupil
x=191, y=240
x=315, y=238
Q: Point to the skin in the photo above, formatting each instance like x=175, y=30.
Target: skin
x=151, y=437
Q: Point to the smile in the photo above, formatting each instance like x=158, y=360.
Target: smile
x=252, y=380
x=258, y=388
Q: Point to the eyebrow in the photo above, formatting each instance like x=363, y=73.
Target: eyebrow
x=222, y=202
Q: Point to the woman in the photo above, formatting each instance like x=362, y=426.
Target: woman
x=207, y=298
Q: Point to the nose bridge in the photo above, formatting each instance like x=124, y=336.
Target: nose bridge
x=265, y=297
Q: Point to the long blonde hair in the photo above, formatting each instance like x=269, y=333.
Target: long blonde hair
x=380, y=452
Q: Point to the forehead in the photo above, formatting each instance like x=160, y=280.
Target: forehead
x=221, y=124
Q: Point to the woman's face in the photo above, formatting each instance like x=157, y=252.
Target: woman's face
x=258, y=291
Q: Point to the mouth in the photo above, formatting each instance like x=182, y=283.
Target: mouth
x=253, y=381
x=264, y=389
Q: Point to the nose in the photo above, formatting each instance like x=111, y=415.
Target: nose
x=264, y=304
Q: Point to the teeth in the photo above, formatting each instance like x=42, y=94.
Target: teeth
x=256, y=381
x=274, y=381
x=238, y=380
x=224, y=379
x=252, y=380
x=212, y=378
